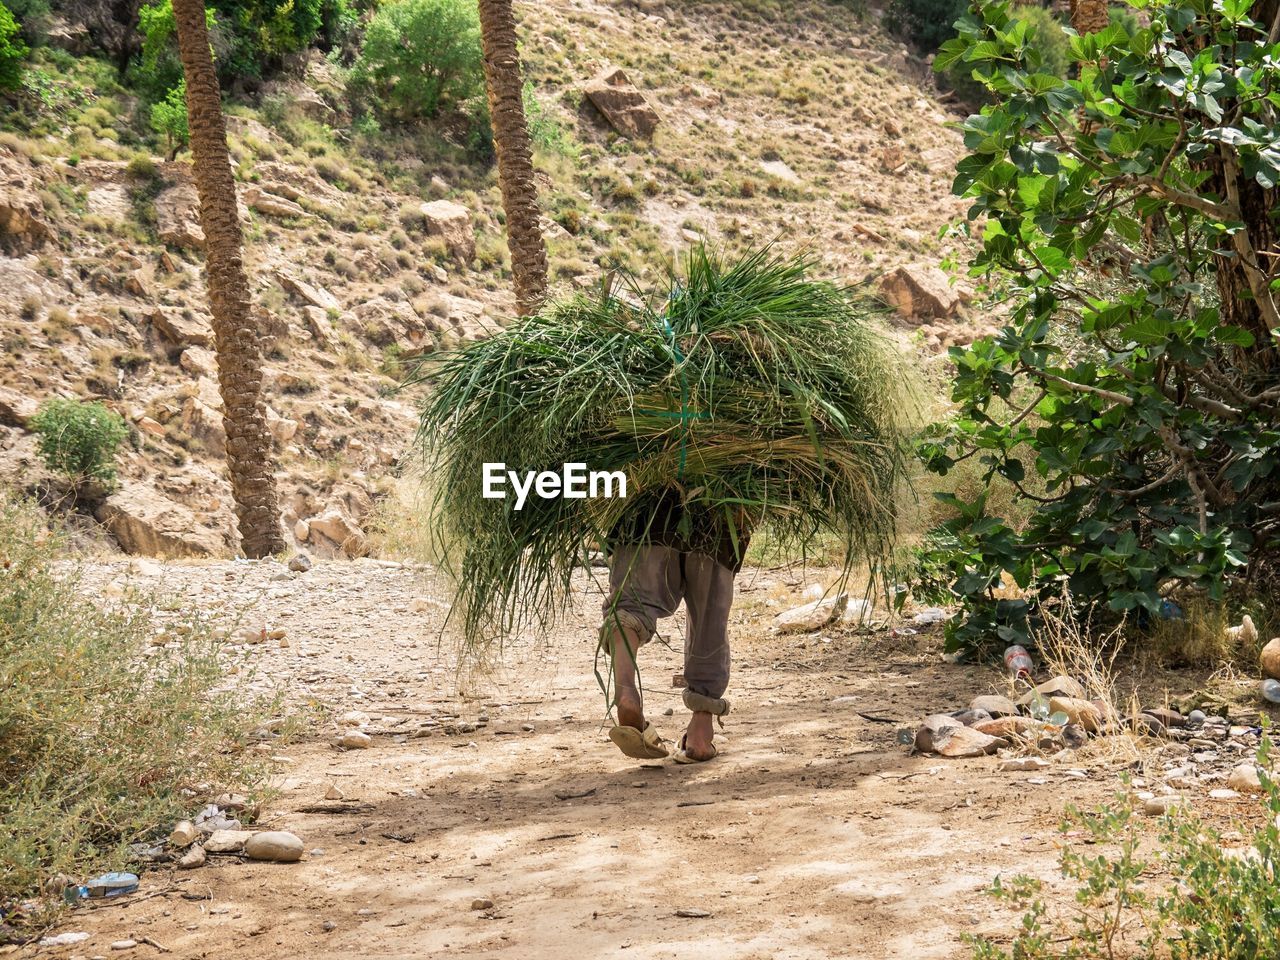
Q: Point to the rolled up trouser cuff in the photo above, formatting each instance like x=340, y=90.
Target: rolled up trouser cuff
x=621, y=619
x=716, y=706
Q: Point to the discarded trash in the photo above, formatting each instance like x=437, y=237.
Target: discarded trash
x=1170, y=610
x=1271, y=690
x=929, y=615
x=109, y=885
x=63, y=939
x=1017, y=661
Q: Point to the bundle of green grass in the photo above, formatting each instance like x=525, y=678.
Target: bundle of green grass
x=745, y=389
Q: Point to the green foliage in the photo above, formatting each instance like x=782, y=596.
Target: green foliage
x=1212, y=903
x=419, y=56
x=169, y=119
x=744, y=389
x=99, y=744
x=1049, y=36
x=79, y=439
x=13, y=52
x=1149, y=422
x=160, y=70
x=926, y=23
x=544, y=131
x=33, y=18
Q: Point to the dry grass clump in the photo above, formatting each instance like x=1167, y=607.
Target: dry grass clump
x=106, y=736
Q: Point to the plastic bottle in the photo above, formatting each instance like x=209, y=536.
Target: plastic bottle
x=1271, y=690
x=1017, y=661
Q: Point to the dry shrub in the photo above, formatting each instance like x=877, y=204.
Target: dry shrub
x=105, y=737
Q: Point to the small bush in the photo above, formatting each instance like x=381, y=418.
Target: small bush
x=98, y=744
x=169, y=119
x=421, y=55
x=13, y=52
x=79, y=439
x=1192, y=898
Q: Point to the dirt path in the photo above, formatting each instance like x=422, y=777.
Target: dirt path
x=814, y=836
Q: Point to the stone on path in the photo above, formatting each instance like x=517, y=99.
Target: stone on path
x=1078, y=711
x=276, y=846
x=811, y=616
x=1022, y=764
x=995, y=705
x=355, y=740
x=920, y=291
x=1270, y=658
x=193, y=858
x=1244, y=779
x=481, y=903
x=227, y=841
x=947, y=737
x=1056, y=687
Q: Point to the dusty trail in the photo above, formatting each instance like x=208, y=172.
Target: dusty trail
x=813, y=836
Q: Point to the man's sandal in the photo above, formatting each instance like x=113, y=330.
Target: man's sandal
x=644, y=744
x=717, y=707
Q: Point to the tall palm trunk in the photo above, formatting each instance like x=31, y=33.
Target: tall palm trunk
x=515, y=156
x=1089, y=16
x=236, y=339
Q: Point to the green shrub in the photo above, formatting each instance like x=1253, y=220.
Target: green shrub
x=1049, y=37
x=160, y=69
x=421, y=55
x=13, y=52
x=926, y=23
x=169, y=119
x=79, y=439
x=98, y=743
x=1191, y=898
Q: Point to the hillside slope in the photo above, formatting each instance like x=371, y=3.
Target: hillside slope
x=815, y=130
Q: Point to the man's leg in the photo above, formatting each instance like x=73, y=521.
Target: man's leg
x=708, y=595
x=644, y=585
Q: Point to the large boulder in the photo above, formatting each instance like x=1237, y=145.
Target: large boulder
x=202, y=422
x=336, y=532
x=452, y=223
x=16, y=408
x=316, y=296
x=919, y=291
x=182, y=331
x=621, y=103
x=22, y=224
x=178, y=217
x=145, y=522
x=272, y=205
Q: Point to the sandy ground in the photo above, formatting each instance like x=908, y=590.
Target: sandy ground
x=814, y=835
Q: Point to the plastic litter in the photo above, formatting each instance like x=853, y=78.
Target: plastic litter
x=1017, y=661
x=109, y=885
x=1271, y=690
x=929, y=615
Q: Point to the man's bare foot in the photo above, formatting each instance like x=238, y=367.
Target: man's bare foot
x=698, y=737
x=627, y=700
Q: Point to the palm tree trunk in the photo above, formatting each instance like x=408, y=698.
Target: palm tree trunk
x=515, y=156
x=1089, y=16
x=236, y=340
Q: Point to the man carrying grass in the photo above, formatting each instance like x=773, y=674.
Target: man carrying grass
x=687, y=554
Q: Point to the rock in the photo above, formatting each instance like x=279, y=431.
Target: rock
x=1224, y=795
x=1008, y=728
x=1148, y=725
x=22, y=224
x=920, y=291
x=1022, y=764
x=277, y=846
x=320, y=326
x=182, y=331
x=145, y=522
x=1074, y=736
x=298, y=96
x=193, y=858
x=63, y=939
x=273, y=206
x=1160, y=805
x=1197, y=717
x=1245, y=779
x=1078, y=711
x=314, y=295
x=199, y=361
x=779, y=170
x=337, y=530
x=301, y=531
x=178, y=217
x=202, y=422
x=282, y=429
x=300, y=563
x=124, y=944
x=355, y=740
x=621, y=103
x=452, y=223
x=227, y=841
x=1057, y=687
x=110, y=201
x=16, y=408
x=184, y=834
x=481, y=903
x=947, y=737
x=75, y=38
x=811, y=616
x=1246, y=634
x=333, y=793
x=1167, y=716
x=1270, y=659
x=971, y=717
x=995, y=705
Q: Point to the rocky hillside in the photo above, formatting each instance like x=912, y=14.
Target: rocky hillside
x=656, y=125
